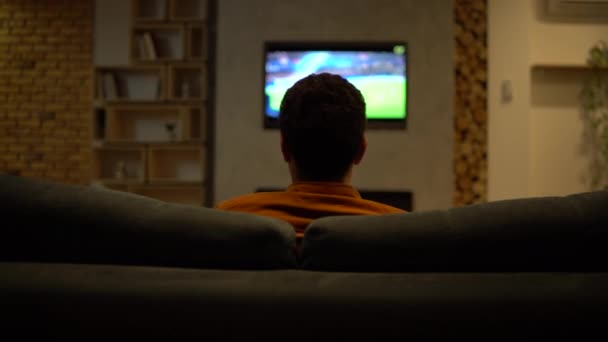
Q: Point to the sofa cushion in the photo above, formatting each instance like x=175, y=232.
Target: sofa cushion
x=531, y=234
x=84, y=302
x=53, y=222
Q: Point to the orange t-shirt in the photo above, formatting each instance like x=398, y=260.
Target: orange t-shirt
x=304, y=202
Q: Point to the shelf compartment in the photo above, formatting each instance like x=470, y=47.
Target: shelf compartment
x=158, y=43
x=188, y=10
x=116, y=186
x=171, y=163
x=196, y=124
x=119, y=164
x=186, y=82
x=149, y=10
x=129, y=84
x=99, y=123
x=148, y=123
x=180, y=194
x=196, y=42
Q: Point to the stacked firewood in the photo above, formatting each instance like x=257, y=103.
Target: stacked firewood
x=470, y=111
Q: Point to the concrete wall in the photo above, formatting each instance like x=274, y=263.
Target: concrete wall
x=417, y=159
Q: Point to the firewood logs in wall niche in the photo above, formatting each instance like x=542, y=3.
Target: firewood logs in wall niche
x=470, y=101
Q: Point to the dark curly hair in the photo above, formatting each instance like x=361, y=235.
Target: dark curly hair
x=322, y=120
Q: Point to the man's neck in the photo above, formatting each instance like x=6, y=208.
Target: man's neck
x=295, y=177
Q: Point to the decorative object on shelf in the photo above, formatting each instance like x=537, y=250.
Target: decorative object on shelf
x=120, y=171
x=170, y=127
x=185, y=89
x=594, y=102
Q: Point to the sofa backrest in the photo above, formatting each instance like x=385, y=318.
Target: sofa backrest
x=44, y=221
x=532, y=234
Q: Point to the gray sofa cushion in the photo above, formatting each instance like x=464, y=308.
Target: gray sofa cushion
x=53, y=222
x=532, y=234
x=84, y=302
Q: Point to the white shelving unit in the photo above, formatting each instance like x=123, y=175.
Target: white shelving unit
x=149, y=117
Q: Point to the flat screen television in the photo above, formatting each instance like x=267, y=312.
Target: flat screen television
x=378, y=70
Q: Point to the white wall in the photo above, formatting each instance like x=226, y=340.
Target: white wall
x=508, y=124
x=561, y=42
x=112, y=23
x=417, y=159
x=535, y=141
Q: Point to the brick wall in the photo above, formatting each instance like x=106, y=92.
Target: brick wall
x=45, y=88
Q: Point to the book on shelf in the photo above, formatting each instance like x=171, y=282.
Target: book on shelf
x=141, y=46
x=149, y=48
x=109, y=86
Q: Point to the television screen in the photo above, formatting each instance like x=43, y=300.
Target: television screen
x=378, y=70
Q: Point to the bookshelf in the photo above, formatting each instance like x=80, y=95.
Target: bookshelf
x=174, y=163
x=119, y=164
x=182, y=194
x=196, y=46
x=155, y=43
x=130, y=84
x=150, y=118
x=151, y=124
x=186, y=82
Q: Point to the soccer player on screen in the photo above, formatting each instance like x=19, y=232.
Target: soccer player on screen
x=322, y=123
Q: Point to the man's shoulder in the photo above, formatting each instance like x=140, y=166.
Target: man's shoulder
x=247, y=200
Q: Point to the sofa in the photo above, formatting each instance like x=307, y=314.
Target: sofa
x=82, y=262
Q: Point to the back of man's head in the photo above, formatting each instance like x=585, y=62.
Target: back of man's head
x=322, y=121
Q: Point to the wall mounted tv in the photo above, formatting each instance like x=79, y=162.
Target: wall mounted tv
x=378, y=70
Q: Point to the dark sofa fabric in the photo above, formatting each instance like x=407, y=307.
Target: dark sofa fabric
x=79, y=263
x=101, y=301
x=52, y=222
x=567, y=233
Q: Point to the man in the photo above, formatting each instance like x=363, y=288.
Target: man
x=322, y=122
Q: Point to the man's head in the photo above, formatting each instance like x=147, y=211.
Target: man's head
x=322, y=121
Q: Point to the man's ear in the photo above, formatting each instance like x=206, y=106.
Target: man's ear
x=361, y=152
x=285, y=151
